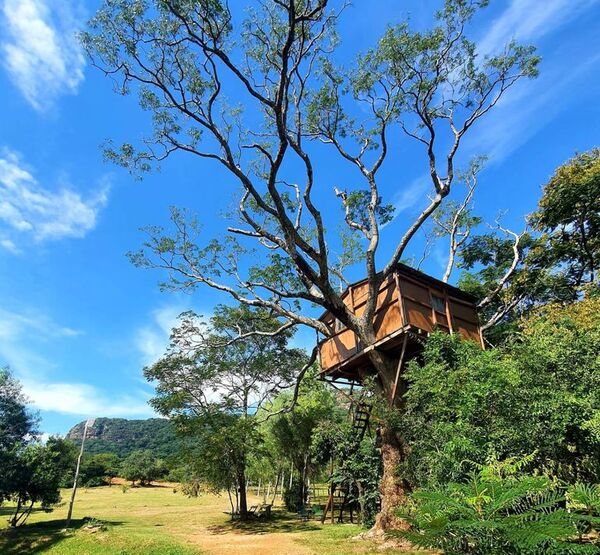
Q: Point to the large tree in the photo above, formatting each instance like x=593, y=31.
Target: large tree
x=186, y=58
x=213, y=380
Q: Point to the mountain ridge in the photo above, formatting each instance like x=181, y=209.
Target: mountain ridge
x=121, y=436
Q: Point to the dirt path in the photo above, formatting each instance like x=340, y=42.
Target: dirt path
x=282, y=535
x=249, y=544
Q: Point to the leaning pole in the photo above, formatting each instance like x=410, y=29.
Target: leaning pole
x=88, y=424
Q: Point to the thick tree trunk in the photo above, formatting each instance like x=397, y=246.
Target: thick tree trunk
x=392, y=487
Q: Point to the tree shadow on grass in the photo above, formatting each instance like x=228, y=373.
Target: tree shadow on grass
x=8, y=510
x=280, y=522
x=38, y=537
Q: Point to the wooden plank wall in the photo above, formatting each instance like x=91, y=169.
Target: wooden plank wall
x=402, y=300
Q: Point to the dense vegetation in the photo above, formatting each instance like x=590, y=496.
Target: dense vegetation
x=121, y=437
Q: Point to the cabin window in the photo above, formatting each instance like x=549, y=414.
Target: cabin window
x=438, y=304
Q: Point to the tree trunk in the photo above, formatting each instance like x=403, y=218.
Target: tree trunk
x=280, y=473
x=392, y=488
x=13, y=521
x=242, y=494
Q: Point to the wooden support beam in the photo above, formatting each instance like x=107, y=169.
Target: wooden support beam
x=399, y=369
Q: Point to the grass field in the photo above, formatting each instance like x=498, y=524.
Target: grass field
x=160, y=521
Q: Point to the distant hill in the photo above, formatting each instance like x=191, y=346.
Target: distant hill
x=121, y=436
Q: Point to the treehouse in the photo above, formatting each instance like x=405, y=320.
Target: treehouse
x=410, y=305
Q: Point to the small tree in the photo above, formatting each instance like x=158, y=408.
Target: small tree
x=569, y=219
x=215, y=377
x=34, y=475
x=143, y=467
x=98, y=469
x=290, y=434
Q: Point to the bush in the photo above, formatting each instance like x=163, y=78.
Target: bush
x=292, y=496
x=540, y=393
x=97, y=470
x=95, y=482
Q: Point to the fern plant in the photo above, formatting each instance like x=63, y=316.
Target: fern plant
x=584, y=499
x=497, y=511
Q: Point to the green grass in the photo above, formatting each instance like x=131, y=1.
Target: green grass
x=161, y=521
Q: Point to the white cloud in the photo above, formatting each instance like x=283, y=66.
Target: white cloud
x=527, y=21
x=40, y=49
x=20, y=337
x=84, y=400
x=10, y=246
x=410, y=196
x=14, y=325
x=153, y=338
x=531, y=105
x=28, y=208
x=525, y=111
x=20, y=332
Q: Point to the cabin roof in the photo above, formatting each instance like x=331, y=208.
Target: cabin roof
x=418, y=276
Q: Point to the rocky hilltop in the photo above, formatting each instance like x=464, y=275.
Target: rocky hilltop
x=122, y=436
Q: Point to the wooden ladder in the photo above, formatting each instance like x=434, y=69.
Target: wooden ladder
x=360, y=420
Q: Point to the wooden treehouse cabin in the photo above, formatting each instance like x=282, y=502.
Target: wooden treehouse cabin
x=410, y=305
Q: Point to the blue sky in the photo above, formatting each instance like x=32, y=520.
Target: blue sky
x=77, y=321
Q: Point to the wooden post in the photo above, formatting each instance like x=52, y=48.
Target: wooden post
x=398, y=370
x=88, y=424
x=280, y=473
x=332, y=492
x=403, y=316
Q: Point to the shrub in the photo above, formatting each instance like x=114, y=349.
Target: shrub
x=498, y=510
x=292, y=496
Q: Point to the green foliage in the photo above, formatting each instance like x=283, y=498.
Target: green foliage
x=218, y=449
x=121, y=437
x=143, y=467
x=539, y=394
x=289, y=435
x=17, y=428
x=31, y=472
x=97, y=470
x=213, y=380
x=16, y=421
x=293, y=496
x=357, y=465
x=569, y=219
x=34, y=474
x=462, y=405
x=496, y=510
